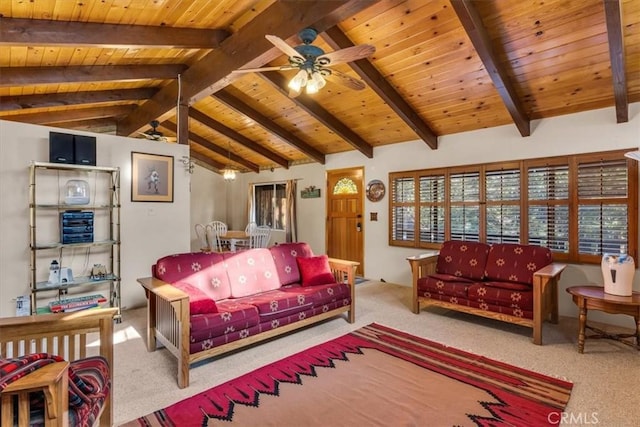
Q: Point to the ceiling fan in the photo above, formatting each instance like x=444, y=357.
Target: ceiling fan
x=154, y=134
x=313, y=63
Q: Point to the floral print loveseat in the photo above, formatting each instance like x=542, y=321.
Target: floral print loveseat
x=204, y=304
x=509, y=282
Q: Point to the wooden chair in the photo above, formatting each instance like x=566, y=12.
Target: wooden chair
x=61, y=334
x=202, y=231
x=215, y=230
x=260, y=237
x=248, y=229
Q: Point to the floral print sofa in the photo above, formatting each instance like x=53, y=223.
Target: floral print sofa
x=509, y=282
x=204, y=304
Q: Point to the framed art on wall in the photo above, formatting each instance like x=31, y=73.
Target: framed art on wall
x=151, y=177
x=375, y=190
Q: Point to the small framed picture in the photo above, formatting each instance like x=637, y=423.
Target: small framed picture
x=151, y=178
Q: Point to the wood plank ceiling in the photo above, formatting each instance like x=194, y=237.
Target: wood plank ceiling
x=440, y=67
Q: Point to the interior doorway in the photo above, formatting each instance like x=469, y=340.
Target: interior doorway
x=345, y=219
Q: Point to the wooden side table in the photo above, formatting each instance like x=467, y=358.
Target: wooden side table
x=594, y=298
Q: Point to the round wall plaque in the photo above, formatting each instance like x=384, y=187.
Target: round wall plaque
x=375, y=190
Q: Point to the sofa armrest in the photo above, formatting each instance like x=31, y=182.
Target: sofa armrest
x=53, y=381
x=421, y=266
x=22, y=332
x=172, y=304
x=345, y=271
x=545, y=297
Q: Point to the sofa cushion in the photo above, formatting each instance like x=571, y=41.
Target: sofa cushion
x=199, y=302
x=251, y=272
x=284, y=256
x=232, y=316
x=507, y=285
x=205, y=271
x=498, y=308
x=440, y=287
x=276, y=303
x=501, y=296
x=463, y=259
x=322, y=294
x=508, y=262
x=89, y=385
x=450, y=278
x=315, y=270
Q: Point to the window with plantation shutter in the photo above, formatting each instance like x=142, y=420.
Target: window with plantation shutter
x=579, y=206
x=548, y=199
x=403, y=212
x=464, y=214
x=602, y=207
x=503, y=206
x=432, y=200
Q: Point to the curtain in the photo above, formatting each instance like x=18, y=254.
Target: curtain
x=291, y=222
x=250, y=205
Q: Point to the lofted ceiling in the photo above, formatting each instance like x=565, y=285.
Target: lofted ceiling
x=440, y=67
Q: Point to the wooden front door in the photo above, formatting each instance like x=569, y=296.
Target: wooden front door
x=345, y=219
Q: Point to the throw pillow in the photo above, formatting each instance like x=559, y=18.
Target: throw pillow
x=199, y=302
x=315, y=270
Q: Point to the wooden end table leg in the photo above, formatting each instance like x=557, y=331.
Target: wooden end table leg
x=637, y=331
x=583, y=323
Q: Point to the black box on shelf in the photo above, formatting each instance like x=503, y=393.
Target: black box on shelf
x=76, y=227
x=72, y=149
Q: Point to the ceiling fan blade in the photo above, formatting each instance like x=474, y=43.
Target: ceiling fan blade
x=283, y=46
x=345, y=80
x=259, y=70
x=348, y=54
x=146, y=135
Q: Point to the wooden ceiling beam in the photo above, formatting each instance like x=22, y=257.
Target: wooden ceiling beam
x=247, y=48
x=237, y=137
x=11, y=103
x=236, y=104
x=40, y=32
x=613, y=16
x=305, y=102
x=70, y=115
x=24, y=76
x=474, y=27
x=376, y=81
x=103, y=125
x=213, y=147
x=214, y=166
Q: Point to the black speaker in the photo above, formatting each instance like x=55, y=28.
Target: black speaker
x=60, y=147
x=84, y=150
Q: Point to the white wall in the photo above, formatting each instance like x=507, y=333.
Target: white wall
x=148, y=230
x=204, y=196
x=207, y=200
x=578, y=133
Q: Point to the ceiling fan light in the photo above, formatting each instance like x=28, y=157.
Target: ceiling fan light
x=298, y=81
x=316, y=82
x=319, y=79
x=312, y=87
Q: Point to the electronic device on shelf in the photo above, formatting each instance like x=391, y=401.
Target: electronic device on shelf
x=76, y=227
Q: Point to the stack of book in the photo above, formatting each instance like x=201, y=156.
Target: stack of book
x=77, y=303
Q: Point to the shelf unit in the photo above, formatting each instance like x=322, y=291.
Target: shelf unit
x=106, y=188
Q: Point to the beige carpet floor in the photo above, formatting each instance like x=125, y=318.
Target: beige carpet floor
x=605, y=377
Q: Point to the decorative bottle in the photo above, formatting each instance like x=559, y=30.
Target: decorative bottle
x=618, y=272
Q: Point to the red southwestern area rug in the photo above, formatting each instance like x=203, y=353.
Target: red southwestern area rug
x=375, y=376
